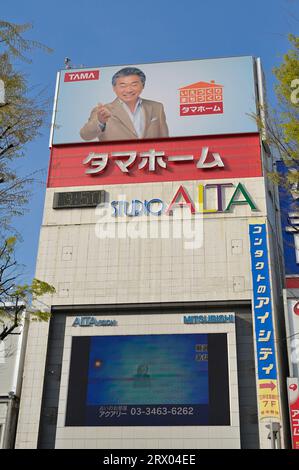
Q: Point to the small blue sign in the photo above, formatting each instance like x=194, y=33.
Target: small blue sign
x=92, y=321
x=209, y=318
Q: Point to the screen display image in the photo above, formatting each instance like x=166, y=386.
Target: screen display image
x=148, y=380
x=155, y=101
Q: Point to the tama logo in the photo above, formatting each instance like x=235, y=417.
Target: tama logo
x=80, y=76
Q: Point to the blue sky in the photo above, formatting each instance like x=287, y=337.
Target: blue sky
x=97, y=33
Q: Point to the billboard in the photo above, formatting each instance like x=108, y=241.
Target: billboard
x=154, y=101
x=149, y=380
x=289, y=213
x=217, y=157
x=293, y=332
x=293, y=398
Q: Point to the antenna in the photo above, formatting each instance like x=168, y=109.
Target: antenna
x=67, y=62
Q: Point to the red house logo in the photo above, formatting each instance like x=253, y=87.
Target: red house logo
x=201, y=98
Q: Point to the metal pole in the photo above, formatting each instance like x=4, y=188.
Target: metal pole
x=278, y=437
x=272, y=436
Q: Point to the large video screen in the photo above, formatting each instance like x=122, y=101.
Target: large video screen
x=149, y=380
x=155, y=101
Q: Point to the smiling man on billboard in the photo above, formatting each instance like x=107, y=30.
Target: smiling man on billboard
x=128, y=116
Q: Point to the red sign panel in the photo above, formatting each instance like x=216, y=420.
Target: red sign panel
x=147, y=161
x=292, y=282
x=79, y=76
x=293, y=394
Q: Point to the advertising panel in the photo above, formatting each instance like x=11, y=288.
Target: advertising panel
x=293, y=333
x=154, y=101
x=149, y=380
x=263, y=322
x=144, y=162
x=289, y=210
x=293, y=396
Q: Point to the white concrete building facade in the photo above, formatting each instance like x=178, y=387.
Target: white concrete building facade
x=163, y=333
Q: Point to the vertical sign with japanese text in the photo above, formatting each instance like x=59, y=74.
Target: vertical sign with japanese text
x=293, y=396
x=263, y=322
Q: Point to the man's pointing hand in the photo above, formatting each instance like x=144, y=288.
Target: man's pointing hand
x=103, y=113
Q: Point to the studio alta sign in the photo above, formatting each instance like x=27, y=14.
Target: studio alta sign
x=182, y=199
